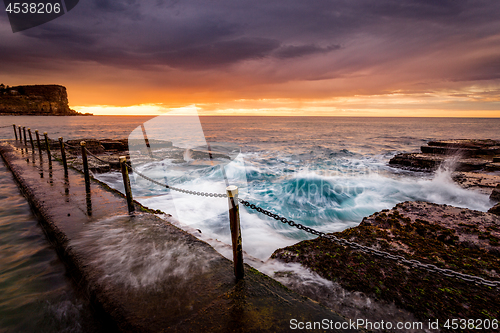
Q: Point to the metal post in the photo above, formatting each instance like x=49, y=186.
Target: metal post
x=126, y=183
x=38, y=142
x=24, y=131
x=47, y=146
x=234, y=222
x=20, y=135
x=15, y=132
x=63, y=155
x=88, y=199
x=31, y=140
x=146, y=140
x=85, y=167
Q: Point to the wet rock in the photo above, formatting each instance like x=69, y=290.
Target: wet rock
x=481, y=147
x=430, y=162
x=473, y=154
x=457, y=226
x=463, y=240
x=495, y=195
x=93, y=145
x=475, y=162
x=108, y=152
x=495, y=209
x=420, y=162
x=116, y=145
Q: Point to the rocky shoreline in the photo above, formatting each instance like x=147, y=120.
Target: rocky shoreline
x=459, y=239
x=475, y=164
x=471, y=155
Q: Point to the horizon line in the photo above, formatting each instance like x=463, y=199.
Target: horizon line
x=283, y=116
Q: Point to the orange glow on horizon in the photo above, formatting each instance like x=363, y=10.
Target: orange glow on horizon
x=450, y=104
x=151, y=110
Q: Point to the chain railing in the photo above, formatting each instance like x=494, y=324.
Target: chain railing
x=203, y=194
x=369, y=250
x=97, y=158
x=72, y=146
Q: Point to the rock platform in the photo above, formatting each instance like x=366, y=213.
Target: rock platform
x=459, y=239
x=475, y=163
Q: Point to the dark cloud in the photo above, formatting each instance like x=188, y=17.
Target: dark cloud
x=193, y=35
x=58, y=35
x=117, y=6
x=293, y=51
x=421, y=9
x=219, y=53
x=487, y=68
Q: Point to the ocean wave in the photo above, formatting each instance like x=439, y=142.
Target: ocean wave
x=328, y=196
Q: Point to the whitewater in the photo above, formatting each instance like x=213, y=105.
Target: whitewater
x=326, y=184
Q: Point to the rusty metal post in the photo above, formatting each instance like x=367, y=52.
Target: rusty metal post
x=38, y=142
x=15, y=132
x=25, y=141
x=31, y=140
x=85, y=167
x=146, y=140
x=63, y=156
x=47, y=146
x=234, y=222
x=126, y=183
x=20, y=135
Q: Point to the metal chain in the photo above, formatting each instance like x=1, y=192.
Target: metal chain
x=5, y=126
x=203, y=194
x=66, y=144
x=383, y=254
x=97, y=158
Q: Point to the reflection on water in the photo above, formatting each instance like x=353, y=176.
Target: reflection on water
x=35, y=294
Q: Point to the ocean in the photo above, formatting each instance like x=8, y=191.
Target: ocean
x=324, y=172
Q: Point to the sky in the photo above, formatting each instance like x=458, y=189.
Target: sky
x=313, y=58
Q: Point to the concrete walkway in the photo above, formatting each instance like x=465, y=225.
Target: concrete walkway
x=146, y=275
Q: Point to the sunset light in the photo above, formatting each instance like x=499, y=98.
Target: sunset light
x=340, y=59
x=249, y=166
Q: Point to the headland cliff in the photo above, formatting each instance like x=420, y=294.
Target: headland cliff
x=35, y=100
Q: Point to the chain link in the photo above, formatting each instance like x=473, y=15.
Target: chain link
x=203, y=194
x=400, y=259
x=97, y=158
x=71, y=146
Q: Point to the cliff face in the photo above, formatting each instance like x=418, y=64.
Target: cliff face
x=36, y=100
